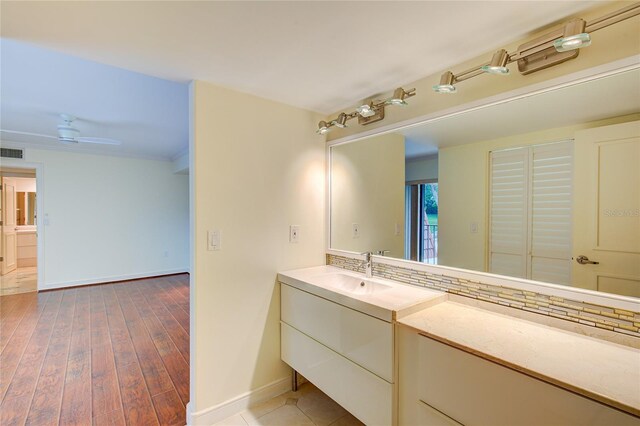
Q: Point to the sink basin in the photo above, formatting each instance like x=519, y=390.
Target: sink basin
x=352, y=284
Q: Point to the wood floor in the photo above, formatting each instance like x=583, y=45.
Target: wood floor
x=111, y=354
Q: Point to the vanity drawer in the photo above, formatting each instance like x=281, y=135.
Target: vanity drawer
x=366, y=340
x=360, y=392
x=474, y=391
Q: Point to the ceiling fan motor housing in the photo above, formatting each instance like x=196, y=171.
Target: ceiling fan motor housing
x=67, y=133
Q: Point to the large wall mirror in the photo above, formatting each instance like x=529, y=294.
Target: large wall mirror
x=538, y=187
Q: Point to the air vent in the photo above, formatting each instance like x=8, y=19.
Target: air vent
x=11, y=153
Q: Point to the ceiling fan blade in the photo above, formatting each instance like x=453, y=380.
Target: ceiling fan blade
x=100, y=141
x=16, y=132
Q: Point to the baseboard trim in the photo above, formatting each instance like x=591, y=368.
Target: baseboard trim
x=111, y=279
x=217, y=413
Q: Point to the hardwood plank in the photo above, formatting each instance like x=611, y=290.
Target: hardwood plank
x=10, y=357
x=105, y=390
x=165, y=293
x=177, y=334
x=14, y=410
x=26, y=374
x=138, y=409
x=114, y=418
x=153, y=370
x=110, y=354
x=47, y=399
x=169, y=409
x=121, y=342
x=76, y=400
x=11, y=317
x=175, y=364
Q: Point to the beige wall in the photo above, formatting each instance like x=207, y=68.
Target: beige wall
x=367, y=188
x=609, y=44
x=420, y=169
x=463, y=192
x=256, y=167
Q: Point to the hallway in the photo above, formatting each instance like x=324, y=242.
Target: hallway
x=105, y=354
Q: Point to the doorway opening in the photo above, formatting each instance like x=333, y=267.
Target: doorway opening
x=422, y=214
x=19, y=241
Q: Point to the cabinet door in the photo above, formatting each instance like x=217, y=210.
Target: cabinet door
x=474, y=391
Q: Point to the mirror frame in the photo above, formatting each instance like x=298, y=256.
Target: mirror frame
x=591, y=74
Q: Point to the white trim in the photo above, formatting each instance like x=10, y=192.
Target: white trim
x=40, y=228
x=217, y=413
x=112, y=278
x=578, y=294
x=590, y=74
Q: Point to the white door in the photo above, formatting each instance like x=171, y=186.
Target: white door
x=607, y=209
x=9, y=224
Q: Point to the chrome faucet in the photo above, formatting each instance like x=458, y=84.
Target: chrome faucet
x=368, y=263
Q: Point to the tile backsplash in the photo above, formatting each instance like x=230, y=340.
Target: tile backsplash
x=612, y=319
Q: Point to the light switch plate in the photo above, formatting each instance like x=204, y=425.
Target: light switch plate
x=294, y=233
x=356, y=230
x=214, y=240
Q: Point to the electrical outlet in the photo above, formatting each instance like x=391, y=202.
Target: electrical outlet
x=294, y=233
x=396, y=230
x=474, y=227
x=356, y=230
x=214, y=240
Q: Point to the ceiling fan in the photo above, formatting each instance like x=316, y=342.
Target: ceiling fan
x=68, y=134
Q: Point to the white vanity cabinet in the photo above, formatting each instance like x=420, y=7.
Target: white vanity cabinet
x=443, y=385
x=348, y=354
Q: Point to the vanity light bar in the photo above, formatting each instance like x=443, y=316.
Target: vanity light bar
x=551, y=49
x=367, y=113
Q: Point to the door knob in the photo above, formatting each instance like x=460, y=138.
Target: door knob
x=584, y=260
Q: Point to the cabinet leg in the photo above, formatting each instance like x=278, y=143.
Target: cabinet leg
x=294, y=381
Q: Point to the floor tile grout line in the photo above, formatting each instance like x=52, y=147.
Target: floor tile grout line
x=35, y=326
x=158, y=352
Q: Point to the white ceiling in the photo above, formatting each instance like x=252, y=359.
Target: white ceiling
x=322, y=56
x=590, y=101
x=147, y=114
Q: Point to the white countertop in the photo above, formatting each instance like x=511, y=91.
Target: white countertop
x=599, y=369
x=398, y=301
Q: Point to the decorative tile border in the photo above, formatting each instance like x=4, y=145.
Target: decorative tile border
x=612, y=319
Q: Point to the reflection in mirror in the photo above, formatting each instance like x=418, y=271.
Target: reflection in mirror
x=25, y=208
x=544, y=187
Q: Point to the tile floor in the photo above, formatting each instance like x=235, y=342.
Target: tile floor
x=306, y=407
x=21, y=280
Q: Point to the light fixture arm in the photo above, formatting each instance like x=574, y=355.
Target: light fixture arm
x=377, y=106
x=547, y=41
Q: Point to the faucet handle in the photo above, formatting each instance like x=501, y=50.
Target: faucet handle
x=382, y=252
x=367, y=255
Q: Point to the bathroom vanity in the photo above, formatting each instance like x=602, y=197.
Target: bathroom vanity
x=392, y=353
x=338, y=330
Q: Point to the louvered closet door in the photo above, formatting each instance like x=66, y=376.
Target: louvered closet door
x=531, y=212
x=551, y=212
x=508, y=212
